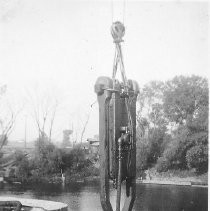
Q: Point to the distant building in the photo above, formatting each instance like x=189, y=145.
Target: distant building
x=67, y=142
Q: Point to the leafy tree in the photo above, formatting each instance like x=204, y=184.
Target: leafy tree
x=67, y=160
x=156, y=116
x=156, y=141
x=23, y=168
x=150, y=94
x=48, y=158
x=197, y=157
x=185, y=102
x=142, y=153
x=174, y=153
x=79, y=158
x=163, y=164
x=75, y=160
x=184, y=96
x=151, y=124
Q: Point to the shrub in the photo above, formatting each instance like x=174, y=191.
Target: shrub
x=23, y=169
x=197, y=157
x=47, y=158
x=162, y=165
x=142, y=153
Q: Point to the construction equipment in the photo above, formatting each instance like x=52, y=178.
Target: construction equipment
x=117, y=130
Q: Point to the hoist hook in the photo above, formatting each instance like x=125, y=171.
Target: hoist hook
x=117, y=31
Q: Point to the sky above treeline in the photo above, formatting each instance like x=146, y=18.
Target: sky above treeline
x=58, y=48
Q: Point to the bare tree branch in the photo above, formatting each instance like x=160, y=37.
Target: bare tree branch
x=7, y=126
x=85, y=125
x=52, y=119
x=44, y=111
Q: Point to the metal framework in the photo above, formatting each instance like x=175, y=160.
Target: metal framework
x=117, y=130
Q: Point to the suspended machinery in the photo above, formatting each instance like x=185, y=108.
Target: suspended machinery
x=117, y=130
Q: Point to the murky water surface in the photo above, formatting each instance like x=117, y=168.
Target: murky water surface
x=85, y=197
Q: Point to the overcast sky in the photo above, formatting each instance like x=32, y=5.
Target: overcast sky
x=62, y=46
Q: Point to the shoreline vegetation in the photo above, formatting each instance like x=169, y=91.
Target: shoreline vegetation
x=172, y=181
x=180, y=178
x=171, y=141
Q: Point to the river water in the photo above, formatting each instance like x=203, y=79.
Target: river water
x=85, y=196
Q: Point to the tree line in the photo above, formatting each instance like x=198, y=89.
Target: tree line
x=47, y=163
x=172, y=125
x=172, y=133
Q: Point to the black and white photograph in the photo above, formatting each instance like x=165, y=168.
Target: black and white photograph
x=104, y=105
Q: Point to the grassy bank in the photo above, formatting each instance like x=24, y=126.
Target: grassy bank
x=174, y=177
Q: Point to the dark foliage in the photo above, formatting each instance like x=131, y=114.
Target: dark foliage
x=177, y=124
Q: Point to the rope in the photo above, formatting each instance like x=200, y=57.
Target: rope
x=124, y=7
x=112, y=12
x=123, y=11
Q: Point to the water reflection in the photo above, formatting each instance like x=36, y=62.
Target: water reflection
x=173, y=198
x=85, y=196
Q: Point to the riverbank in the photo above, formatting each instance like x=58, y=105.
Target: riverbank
x=170, y=182
x=55, y=179
x=174, y=177
x=151, y=176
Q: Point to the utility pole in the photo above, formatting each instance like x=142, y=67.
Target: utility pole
x=72, y=135
x=25, y=129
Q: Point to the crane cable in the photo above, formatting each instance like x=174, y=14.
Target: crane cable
x=112, y=11
x=124, y=6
